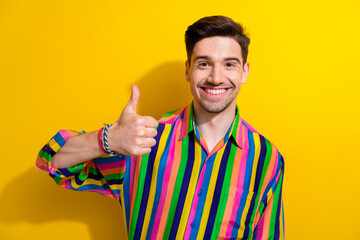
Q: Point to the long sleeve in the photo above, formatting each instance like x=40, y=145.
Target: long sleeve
x=103, y=175
x=271, y=224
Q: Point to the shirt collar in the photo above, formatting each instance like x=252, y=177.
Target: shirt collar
x=235, y=131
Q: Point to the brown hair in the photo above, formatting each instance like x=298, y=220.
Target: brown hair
x=216, y=26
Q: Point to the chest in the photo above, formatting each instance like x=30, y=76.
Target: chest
x=181, y=190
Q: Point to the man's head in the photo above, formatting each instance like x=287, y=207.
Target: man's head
x=216, y=66
x=216, y=26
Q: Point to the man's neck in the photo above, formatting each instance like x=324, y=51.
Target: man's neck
x=213, y=126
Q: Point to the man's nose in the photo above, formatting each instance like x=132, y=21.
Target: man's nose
x=216, y=76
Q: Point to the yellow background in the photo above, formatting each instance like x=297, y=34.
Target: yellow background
x=70, y=64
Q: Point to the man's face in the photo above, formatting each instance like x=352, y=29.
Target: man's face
x=216, y=73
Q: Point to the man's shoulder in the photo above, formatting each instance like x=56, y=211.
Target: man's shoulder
x=252, y=133
x=261, y=147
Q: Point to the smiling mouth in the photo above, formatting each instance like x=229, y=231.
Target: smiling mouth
x=214, y=91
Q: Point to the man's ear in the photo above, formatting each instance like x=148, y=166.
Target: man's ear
x=246, y=70
x=187, y=71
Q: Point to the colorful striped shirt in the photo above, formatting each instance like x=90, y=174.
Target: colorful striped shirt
x=180, y=190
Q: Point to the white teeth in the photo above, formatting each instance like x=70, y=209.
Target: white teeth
x=214, y=91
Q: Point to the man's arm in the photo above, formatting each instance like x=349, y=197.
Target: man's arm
x=131, y=135
x=271, y=224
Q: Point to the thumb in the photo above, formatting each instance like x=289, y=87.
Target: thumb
x=133, y=101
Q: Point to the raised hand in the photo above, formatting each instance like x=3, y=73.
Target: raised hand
x=132, y=134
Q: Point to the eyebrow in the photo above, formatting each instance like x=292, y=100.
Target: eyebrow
x=233, y=59
x=226, y=59
x=202, y=57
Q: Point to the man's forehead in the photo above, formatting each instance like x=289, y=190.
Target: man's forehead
x=217, y=47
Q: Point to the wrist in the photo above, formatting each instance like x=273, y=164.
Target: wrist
x=104, y=140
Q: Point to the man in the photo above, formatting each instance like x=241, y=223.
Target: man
x=200, y=172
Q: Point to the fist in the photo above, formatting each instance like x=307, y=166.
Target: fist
x=132, y=134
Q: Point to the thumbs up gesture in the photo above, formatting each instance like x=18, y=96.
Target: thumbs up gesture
x=132, y=134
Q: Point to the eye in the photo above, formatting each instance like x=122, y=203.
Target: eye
x=230, y=64
x=203, y=65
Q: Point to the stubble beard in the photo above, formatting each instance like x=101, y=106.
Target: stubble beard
x=214, y=107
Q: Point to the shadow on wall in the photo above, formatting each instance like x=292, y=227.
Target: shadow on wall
x=33, y=197
x=163, y=89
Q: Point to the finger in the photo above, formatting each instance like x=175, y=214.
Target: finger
x=148, y=142
x=133, y=101
x=150, y=132
x=150, y=122
x=145, y=151
x=140, y=152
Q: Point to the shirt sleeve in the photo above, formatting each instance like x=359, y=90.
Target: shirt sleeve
x=103, y=175
x=271, y=224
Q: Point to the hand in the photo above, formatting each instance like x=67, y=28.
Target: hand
x=132, y=134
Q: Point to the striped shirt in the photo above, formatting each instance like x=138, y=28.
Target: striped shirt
x=180, y=190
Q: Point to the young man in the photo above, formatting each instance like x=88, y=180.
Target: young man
x=200, y=172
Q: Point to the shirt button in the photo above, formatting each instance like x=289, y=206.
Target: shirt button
x=192, y=225
x=199, y=193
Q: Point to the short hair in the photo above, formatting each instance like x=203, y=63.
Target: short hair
x=213, y=26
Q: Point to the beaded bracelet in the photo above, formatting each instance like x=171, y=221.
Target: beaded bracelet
x=105, y=140
x=100, y=140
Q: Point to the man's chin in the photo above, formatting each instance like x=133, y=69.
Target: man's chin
x=213, y=107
